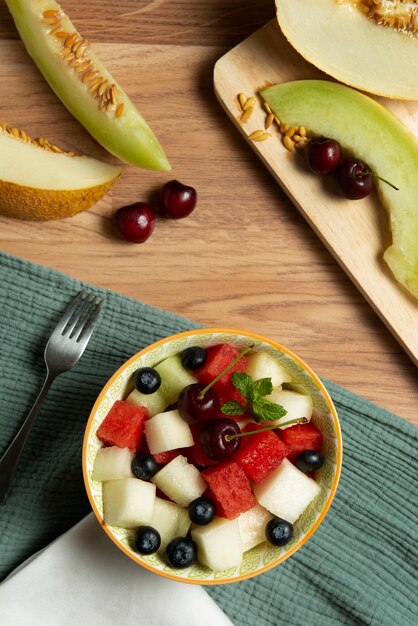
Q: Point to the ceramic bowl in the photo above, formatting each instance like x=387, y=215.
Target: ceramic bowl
x=264, y=556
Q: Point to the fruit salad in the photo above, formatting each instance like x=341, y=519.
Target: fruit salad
x=211, y=453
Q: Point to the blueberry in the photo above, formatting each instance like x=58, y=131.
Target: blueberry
x=147, y=380
x=309, y=460
x=278, y=531
x=147, y=540
x=181, y=552
x=144, y=466
x=193, y=358
x=202, y=511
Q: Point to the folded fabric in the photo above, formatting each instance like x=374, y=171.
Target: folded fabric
x=358, y=568
x=81, y=579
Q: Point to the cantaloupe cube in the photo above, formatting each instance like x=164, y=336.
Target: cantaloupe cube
x=286, y=492
x=296, y=404
x=154, y=402
x=173, y=377
x=171, y=520
x=219, y=544
x=112, y=463
x=128, y=502
x=180, y=481
x=263, y=365
x=167, y=431
x=252, y=526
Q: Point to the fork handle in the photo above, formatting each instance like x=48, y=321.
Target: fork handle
x=10, y=459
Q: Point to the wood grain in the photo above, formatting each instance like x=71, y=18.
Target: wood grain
x=245, y=257
x=356, y=234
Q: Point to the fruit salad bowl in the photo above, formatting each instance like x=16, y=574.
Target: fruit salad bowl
x=263, y=556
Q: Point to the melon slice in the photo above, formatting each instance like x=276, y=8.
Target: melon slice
x=263, y=365
x=153, y=402
x=167, y=431
x=128, y=502
x=370, y=132
x=171, y=520
x=84, y=85
x=173, y=377
x=180, y=481
x=39, y=182
x=370, y=52
x=252, y=526
x=112, y=463
x=296, y=404
x=219, y=544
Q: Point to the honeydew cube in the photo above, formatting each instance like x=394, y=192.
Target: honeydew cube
x=171, y=520
x=167, y=431
x=180, y=481
x=286, y=492
x=252, y=526
x=154, y=402
x=296, y=404
x=219, y=543
x=112, y=463
x=262, y=365
x=174, y=377
x=128, y=502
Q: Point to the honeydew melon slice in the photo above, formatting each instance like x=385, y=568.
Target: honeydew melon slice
x=252, y=526
x=112, y=463
x=128, y=502
x=173, y=377
x=167, y=431
x=296, y=404
x=180, y=481
x=37, y=183
x=171, y=520
x=154, y=402
x=109, y=116
x=219, y=544
x=339, y=38
x=262, y=365
x=369, y=131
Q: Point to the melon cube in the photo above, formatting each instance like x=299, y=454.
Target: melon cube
x=128, y=502
x=123, y=426
x=286, y=492
x=252, y=526
x=296, y=404
x=229, y=488
x=260, y=454
x=167, y=431
x=263, y=365
x=180, y=481
x=112, y=463
x=173, y=378
x=219, y=544
x=154, y=402
x=171, y=520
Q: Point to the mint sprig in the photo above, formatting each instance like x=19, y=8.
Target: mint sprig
x=255, y=392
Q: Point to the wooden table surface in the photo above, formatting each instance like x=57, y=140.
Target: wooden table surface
x=245, y=258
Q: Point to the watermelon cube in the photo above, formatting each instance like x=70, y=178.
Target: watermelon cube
x=301, y=437
x=218, y=358
x=123, y=426
x=260, y=454
x=230, y=489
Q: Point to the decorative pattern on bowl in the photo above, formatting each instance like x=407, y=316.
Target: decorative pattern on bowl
x=264, y=556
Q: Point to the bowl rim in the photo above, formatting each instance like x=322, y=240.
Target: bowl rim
x=226, y=331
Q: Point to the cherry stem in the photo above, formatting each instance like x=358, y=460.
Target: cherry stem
x=299, y=420
x=369, y=173
x=224, y=371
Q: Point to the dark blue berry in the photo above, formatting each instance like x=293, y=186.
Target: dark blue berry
x=193, y=358
x=181, y=552
x=202, y=511
x=309, y=460
x=147, y=540
x=144, y=466
x=147, y=380
x=279, y=532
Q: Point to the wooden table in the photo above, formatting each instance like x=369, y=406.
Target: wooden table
x=245, y=258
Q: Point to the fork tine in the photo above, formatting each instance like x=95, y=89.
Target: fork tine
x=86, y=330
x=70, y=310
x=79, y=314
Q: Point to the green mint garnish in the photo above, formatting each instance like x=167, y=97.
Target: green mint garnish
x=255, y=392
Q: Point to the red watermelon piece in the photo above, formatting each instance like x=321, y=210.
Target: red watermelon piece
x=229, y=488
x=260, y=454
x=123, y=426
x=218, y=358
x=301, y=437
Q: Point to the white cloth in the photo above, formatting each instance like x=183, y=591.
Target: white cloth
x=82, y=579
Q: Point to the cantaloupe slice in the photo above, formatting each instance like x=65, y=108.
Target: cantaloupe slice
x=42, y=183
x=360, y=43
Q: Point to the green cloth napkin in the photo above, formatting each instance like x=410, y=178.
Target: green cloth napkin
x=360, y=566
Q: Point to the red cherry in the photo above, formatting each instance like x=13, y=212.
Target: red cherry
x=177, y=200
x=323, y=155
x=354, y=178
x=135, y=222
x=213, y=438
x=194, y=408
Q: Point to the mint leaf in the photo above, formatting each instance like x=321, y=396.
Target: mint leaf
x=243, y=382
x=232, y=407
x=262, y=387
x=255, y=393
x=267, y=411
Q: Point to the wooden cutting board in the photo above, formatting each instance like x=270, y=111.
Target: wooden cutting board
x=356, y=233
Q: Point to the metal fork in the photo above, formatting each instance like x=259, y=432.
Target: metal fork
x=63, y=350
